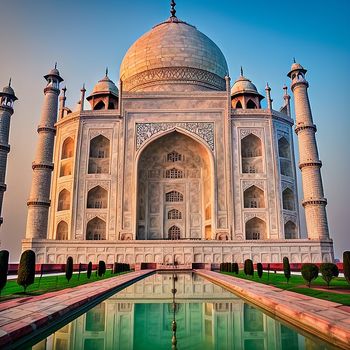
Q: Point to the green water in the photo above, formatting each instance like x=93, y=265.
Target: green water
x=206, y=316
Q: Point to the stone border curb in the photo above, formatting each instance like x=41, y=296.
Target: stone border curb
x=325, y=319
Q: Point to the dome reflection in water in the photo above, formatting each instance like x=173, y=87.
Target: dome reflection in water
x=206, y=317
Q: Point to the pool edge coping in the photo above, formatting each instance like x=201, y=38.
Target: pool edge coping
x=309, y=321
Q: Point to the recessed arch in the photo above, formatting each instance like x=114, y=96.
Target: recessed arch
x=284, y=148
x=251, y=152
x=255, y=228
x=66, y=169
x=239, y=104
x=152, y=161
x=174, y=196
x=62, y=231
x=251, y=104
x=67, y=148
x=288, y=199
x=174, y=232
x=63, y=200
x=99, y=155
x=97, y=198
x=290, y=230
x=174, y=214
x=254, y=197
x=99, y=105
x=96, y=229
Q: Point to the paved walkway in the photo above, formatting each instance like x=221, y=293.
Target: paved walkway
x=28, y=316
x=325, y=319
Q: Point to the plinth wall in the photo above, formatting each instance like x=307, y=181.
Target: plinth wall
x=183, y=251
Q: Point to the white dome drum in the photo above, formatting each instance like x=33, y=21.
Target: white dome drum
x=174, y=56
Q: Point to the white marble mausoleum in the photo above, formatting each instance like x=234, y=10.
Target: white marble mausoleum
x=176, y=163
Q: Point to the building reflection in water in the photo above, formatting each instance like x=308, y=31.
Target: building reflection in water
x=207, y=317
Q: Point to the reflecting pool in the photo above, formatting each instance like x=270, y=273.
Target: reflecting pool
x=176, y=311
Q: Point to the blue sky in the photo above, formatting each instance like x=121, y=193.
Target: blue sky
x=86, y=36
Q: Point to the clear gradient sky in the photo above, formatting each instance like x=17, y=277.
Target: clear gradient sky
x=85, y=36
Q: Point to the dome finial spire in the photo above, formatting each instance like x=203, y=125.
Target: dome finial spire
x=10, y=81
x=241, y=71
x=106, y=71
x=294, y=61
x=172, y=10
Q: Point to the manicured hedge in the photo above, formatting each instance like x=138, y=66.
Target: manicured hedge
x=286, y=268
x=259, y=269
x=329, y=271
x=309, y=273
x=346, y=265
x=101, y=270
x=248, y=267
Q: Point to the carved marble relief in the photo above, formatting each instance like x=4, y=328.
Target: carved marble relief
x=205, y=130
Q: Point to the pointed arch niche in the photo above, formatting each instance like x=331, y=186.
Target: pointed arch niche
x=96, y=229
x=168, y=196
x=251, y=152
x=99, y=155
x=62, y=231
x=63, y=200
x=290, y=230
x=284, y=153
x=97, y=198
x=288, y=199
x=254, y=197
x=255, y=228
x=67, y=152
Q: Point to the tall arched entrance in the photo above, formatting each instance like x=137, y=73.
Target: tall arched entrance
x=174, y=199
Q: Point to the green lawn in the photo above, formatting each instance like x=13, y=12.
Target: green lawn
x=50, y=284
x=298, y=285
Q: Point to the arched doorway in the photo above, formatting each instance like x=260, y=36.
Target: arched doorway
x=174, y=185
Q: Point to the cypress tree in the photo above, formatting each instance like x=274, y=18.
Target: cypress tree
x=26, y=269
x=286, y=268
x=89, y=270
x=101, y=268
x=346, y=265
x=4, y=264
x=259, y=269
x=69, y=268
x=248, y=267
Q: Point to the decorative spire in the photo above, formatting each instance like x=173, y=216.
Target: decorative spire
x=55, y=65
x=285, y=88
x=267, y=87
x=64, y=91
x=106, y=71
x=241, y=71
x=172, y=10
x=10, y=82
x=294, y=61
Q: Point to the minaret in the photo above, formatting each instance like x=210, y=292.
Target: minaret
x=39, y=198
x=7, y=99
x=310, y=165
x=268, y=96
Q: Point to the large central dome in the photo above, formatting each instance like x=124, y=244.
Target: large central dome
x=173, y=56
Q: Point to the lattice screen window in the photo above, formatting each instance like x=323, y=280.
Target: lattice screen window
x=174, y=232
x=174, y=174
x=174, y=196
x=174, y=157
x=174, y=214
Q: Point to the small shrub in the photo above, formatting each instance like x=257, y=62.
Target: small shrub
x=259, y=269
x=4, y=265
x=235, y=268
x=248, y=267
x=101, y=268
x=346, y=265
x=268, y=271
x=89, y=270
x=329, y=271
x=286, y=268
x=309, y=273
x=26, y=270
x=69, y=268
x=229, y=267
